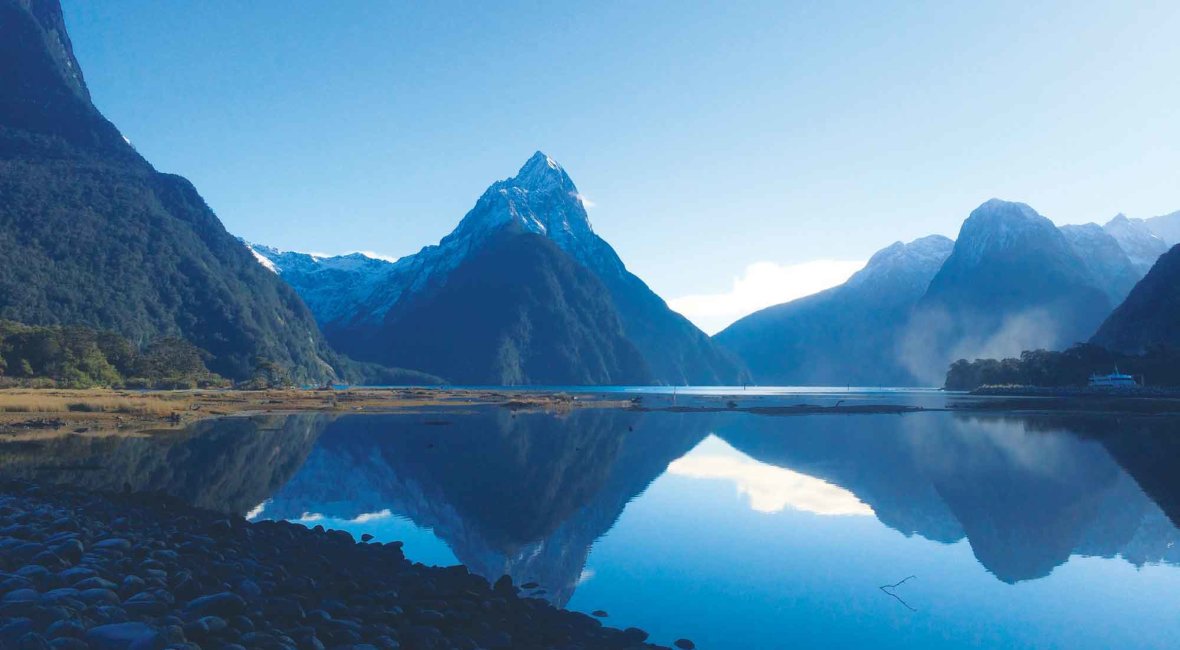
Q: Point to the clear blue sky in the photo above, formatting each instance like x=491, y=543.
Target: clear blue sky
x=708, y=137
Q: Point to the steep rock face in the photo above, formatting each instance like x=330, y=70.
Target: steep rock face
x=540, y=200
x=1107, y=262
x=1150, y=315
x=1136, y=238
x=91, y=234
x=1011, y=283
x=845, y=335
x=518, y=311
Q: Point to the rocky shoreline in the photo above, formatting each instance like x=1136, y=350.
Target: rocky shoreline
x=85, y=570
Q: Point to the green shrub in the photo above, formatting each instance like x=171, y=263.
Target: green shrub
x=79, y=357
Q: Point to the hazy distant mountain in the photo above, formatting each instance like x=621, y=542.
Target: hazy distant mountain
x=1166, y=227
x=1104, y=258
x=1137, y=239
x=1151, y=313
x=364, y=305
x=847, y=334
x=91, y=234
x=1012, y=283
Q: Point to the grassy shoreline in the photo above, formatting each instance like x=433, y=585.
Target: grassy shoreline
x=56, y=410
x=96, y=410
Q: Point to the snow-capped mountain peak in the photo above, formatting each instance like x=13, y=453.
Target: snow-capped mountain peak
x=540, y=173
x=541, y=199
x=999, y=225
x=903, y=264
x=1136, y=239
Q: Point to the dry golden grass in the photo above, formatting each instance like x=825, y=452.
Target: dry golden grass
x=92, y=401
x=27, y=411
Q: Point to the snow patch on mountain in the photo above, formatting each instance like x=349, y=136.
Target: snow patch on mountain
x=904, y=265
x=1136, y=239
x=264, y=260
x=333, y=287
x=1167, y=227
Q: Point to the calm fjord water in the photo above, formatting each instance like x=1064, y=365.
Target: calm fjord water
x=734, y=530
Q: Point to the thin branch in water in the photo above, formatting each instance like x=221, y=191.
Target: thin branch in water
x=889, y=590
x=898, y=584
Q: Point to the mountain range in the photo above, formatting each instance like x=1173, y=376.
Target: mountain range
x=582, y=318
x=1011, y=281
x=844, y=335
x=523, y=291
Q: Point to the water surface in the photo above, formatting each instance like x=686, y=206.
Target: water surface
x=734, y=530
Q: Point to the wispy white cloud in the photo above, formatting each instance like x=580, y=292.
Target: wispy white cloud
x=585, y=200
x=371, y=516
x=769, y=488
x=379, y=256
x=257, y=511
x=763, y=284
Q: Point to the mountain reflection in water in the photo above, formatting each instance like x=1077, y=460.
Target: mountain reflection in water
x=607, y=504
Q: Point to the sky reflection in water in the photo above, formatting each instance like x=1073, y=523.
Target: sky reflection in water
x=766, y=531
x=733, y=530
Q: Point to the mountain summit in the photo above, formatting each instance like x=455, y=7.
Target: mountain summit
x=1011, y=283
x=385, y=312
x=541, y=199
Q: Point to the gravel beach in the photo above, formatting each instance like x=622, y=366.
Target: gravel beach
x=112, y=571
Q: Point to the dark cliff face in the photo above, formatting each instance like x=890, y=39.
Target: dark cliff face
x=45, y=93
x=1150, y=316
x=845, y=335
x=91, y=234
x=519, y=311
x=1012, y=283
